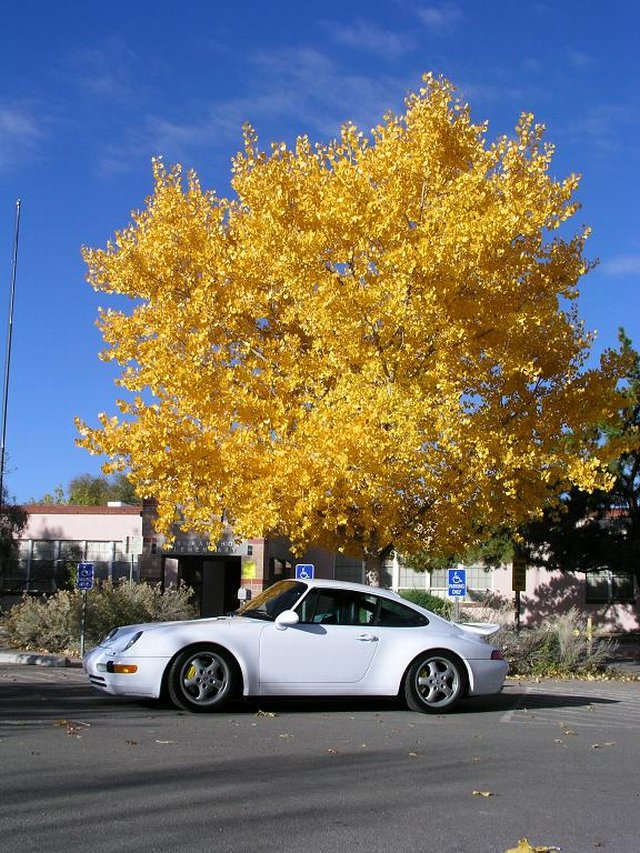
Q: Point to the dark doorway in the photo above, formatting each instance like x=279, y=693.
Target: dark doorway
x=214, y=578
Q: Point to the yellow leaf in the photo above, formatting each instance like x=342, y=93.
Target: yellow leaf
x=525, y=847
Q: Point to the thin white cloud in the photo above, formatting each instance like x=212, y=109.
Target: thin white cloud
x=579, y=59
x=441, y=18
x=622, y=265
x=105, y=70
x=321, y=96
x=20, y=136
x=610, y=128
x=302, y=89
x=365, y=36
x=533, y=66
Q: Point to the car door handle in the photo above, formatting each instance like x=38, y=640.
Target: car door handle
x=367, y=638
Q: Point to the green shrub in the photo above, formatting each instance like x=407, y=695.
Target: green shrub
x=53, y=624
x=441, y=606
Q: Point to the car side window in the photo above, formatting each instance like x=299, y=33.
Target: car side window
x=393, y=614
x=337, y=607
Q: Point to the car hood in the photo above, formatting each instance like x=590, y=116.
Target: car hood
x=149, y=627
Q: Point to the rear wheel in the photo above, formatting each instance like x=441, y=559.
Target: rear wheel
x=201, y=679
x=435, y=682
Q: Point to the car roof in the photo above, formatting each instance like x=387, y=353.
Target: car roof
x=324, y=583
x=349, y=585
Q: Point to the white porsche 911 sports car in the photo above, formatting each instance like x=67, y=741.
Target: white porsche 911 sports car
x=303, y=638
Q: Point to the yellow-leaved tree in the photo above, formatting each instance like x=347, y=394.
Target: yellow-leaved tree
x=373, y=345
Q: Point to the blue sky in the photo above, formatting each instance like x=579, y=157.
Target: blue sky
x=90, y=92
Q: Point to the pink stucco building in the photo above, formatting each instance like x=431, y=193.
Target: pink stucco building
x=121, y=542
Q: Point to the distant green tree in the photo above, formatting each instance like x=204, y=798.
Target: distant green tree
x=91, y=490
x=601, y=529
x=56, y=497
x=13, y=520
x=495, y=550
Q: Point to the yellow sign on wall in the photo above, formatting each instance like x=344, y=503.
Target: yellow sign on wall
x=519, y=574
x=249, y=570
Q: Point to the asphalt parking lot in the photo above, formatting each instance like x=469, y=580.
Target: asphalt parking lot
x=554, y=761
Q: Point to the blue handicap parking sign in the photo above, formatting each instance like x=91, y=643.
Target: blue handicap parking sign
x=457, y=583
x=85, y=576
x=304, y=571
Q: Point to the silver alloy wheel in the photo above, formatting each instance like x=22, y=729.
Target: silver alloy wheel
x=201, y=680
x=435, y=682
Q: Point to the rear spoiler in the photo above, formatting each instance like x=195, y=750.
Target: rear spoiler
x=485, y=629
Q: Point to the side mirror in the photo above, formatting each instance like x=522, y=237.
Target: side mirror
x=286, y=619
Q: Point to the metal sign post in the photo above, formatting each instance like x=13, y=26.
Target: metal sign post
x=84, y=582
x=518, y=582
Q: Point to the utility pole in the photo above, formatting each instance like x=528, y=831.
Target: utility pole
x=7, y=358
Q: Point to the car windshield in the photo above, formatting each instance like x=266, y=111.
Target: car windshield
x=273, y=600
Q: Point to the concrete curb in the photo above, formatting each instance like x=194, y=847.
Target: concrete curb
x=15, y=656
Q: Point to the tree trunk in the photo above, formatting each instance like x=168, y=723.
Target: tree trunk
x=374, y=573
x=372, y=569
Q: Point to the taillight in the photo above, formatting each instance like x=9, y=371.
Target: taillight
x=496, y=654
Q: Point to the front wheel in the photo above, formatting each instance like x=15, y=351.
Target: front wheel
x=435, y=682
x=201, y=680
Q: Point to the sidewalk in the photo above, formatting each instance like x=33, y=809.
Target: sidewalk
x=22, y=657
x=17, y=656
x=626, y=658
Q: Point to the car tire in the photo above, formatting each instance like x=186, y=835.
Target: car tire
x=435, y=683
x=201, y=679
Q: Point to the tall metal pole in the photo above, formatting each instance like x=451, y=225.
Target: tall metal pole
x=7, y=359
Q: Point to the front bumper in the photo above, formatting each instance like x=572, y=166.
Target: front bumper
x=124, y=675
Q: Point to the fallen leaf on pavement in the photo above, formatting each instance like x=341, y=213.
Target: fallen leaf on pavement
x=525, y=847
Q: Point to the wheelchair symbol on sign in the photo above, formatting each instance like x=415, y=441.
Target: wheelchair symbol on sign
x=456, y=580
x=304, y=571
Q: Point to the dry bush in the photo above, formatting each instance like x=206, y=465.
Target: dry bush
x=560, y=647
x=53, y=624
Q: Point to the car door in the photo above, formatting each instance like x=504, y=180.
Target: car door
x=331, y=647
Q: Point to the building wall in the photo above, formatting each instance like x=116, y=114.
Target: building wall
x=96, y=523
x=547, y=593
x=57, y=536
x=100, y=534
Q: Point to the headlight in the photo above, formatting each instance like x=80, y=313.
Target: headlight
x=133, y=640
x=109, y=636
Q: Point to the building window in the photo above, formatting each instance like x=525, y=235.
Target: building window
x=410, y=579
x=43, y=549
x=281, y=569
x=606, y=586
x=101, y=555
x=71, y=551
x=479, y=578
